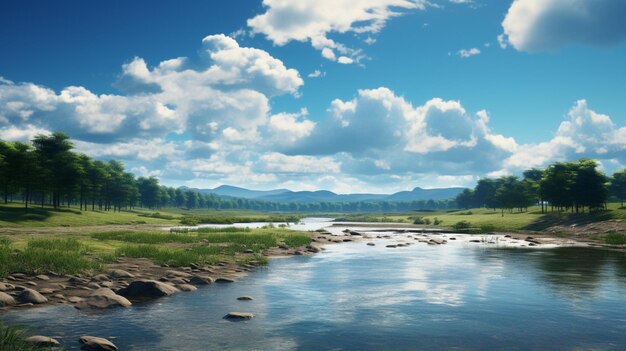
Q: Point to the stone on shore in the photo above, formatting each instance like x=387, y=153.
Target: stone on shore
x=103, y=298
x=31, y=296
x=43, y=277
x=42, y=341
x=239, y=315
x=187, y=287
x=201, y=280
x=6, y=300
x=5, y=286
x=146, y=288
x=224, y=280
x=118, y=273
x=92, y=343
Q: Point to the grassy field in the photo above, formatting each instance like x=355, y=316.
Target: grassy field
x=493, y=220
x=74, y=253
x=14, y=215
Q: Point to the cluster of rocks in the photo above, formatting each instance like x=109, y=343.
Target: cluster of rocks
x=89, y=343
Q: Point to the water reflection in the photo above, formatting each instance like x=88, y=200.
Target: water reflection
x=456, y=296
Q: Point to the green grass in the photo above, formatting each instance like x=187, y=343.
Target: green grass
x=14, y=215
x=486, y=220
x=12, y=338
x=63, y=256
x=614, y=238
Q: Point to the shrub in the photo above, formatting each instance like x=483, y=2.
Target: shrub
x=437, y=221
x=462, y=225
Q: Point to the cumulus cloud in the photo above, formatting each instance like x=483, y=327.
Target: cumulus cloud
x=223, y=94
x=313, y=20
x=543, y=25
x=277, y=162
x=585, y=133
x=465, y=53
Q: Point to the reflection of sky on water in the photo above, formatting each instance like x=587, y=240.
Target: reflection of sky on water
x=460, y=295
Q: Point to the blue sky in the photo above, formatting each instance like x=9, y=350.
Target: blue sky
x=350, y=96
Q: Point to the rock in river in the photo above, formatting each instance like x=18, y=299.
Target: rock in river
x=41, y=341
x=147, y=288
x=31, y=296
x=6, y=300
x=245, y=298
x=92, y=343
x=239, y=315
x=103, y=298
x=201, y=280
x=187, y=287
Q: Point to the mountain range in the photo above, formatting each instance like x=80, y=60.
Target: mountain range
x=285, y=195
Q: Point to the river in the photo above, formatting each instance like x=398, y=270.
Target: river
x=461, y=296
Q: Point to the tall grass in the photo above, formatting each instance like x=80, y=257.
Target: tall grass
x=615, y=238
x=12, y=339
x=145, y=237
x=63, y=256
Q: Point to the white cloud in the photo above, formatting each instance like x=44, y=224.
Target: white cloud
x=227, y=89
x=313, y=20
x=290, y=127
x=540, y=25
x=316, y=74
x=465, y=53
x=277, y=162
x=585, y=133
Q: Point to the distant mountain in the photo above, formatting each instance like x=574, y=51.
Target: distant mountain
x=284, y=195
x=233, y=191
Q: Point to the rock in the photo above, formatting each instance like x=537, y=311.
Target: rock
x=42, y=341
x=474, y=241
x=346, y=240
x=93, y=286
x=103, y=298
x=245, y=298
x=6, y=300
x=249, y=251
x=453, y=238
x=178, y=274
x=42, y=277
x=239, y=315
x=118, y=273
x=201, y=280
x=106, y=284
x=507, y=236
x=371, y=244
x=224, y=280
x=146, y=288
x=31, y=296
x=100, y=278
x=59, y=296
x=77, y=280
x=352, y=232
x=92, y=343
x=31, y=283
x=75, y=299
x=391, y=246
x=187, y=287
x=47, y=291
x=179, y=280
x=6, y=287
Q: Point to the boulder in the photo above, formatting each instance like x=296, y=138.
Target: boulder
x=75, y=299
x=31, y=296
x=42, y=341
x=92, y=343
x=77, y=280
x=100, y=278
x=201, y=280
x=6, y=300
x=42, y=277
x=391, y=246
x=187, y=287
x=103, y=298
x=178, y=274
x=5, y=286
x=371, y=244
x=239, y=315
x=146, y=288
x=118, y=273
x=224, y=280
x=245, y=298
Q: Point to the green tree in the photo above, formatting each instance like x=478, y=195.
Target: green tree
x=618, y=185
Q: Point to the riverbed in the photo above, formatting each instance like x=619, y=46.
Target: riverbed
x=462, y=295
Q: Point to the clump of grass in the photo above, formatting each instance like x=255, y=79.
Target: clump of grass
x=614, y=238
x=145, y=237
x=157, y=215
x=296, y=240
x=64, y=256
x=12, y=338
x=177, y=257
x=223, y=230
x=216, y=219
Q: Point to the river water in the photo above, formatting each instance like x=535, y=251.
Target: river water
x=460, y=296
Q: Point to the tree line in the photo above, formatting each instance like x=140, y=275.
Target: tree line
x=562, y=186
x=47, y=172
